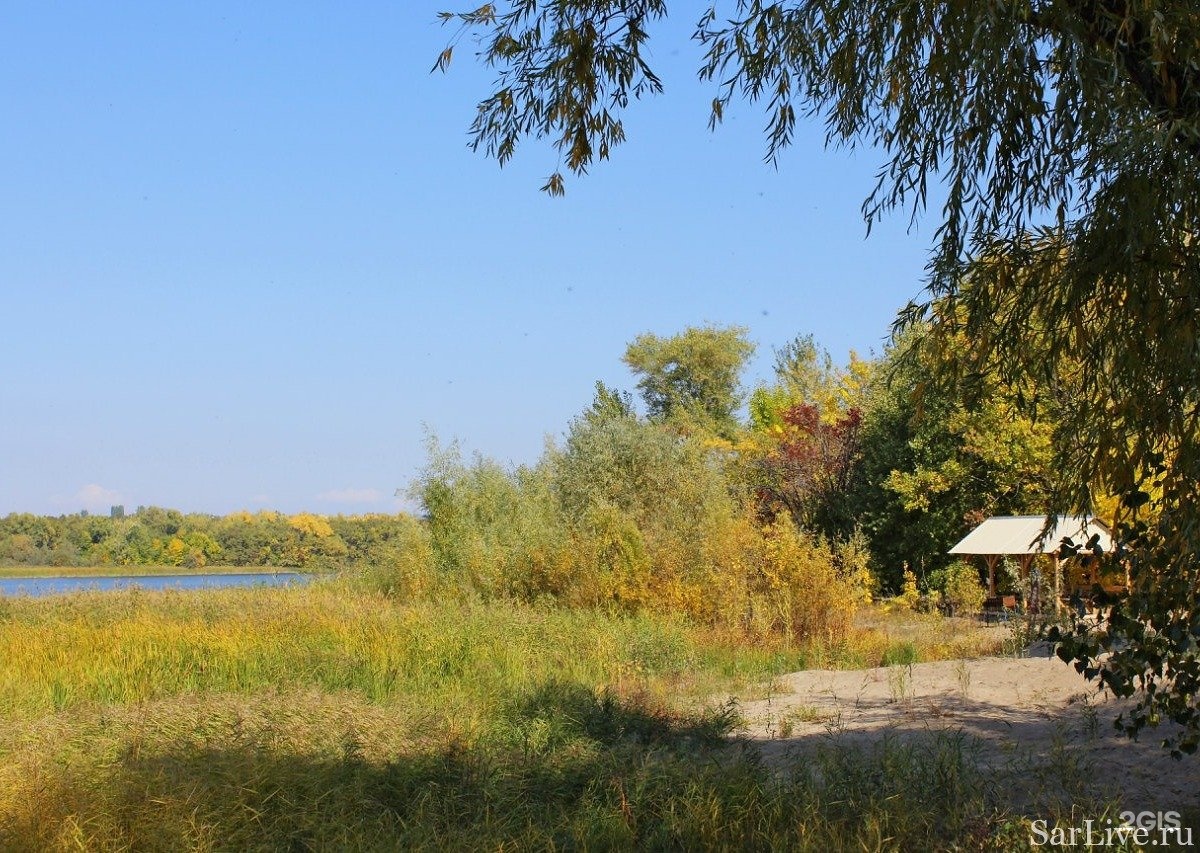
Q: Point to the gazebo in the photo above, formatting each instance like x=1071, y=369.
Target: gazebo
x=1026, y=536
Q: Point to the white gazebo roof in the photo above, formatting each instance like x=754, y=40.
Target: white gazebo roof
x=1001, y=535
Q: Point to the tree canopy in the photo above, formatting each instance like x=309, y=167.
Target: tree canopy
x=1066, y=134
x=692, y=380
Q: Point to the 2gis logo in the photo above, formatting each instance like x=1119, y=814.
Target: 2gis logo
x=1141, y=829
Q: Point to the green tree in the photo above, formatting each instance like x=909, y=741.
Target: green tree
x=692, y=380
x=158, y=521
x=807, y=374
x=258, y=539
x=935, y=462
x=640, y=468
x=609, y=405
x=1067, y=137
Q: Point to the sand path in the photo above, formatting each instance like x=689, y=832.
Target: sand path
x=1030, y=716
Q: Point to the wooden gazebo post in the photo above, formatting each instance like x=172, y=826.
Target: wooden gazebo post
x=992, y=559
x=1057, y=582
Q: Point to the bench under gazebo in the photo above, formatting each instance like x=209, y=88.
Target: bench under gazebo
x=1024, y=537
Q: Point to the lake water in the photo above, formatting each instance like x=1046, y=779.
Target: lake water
x=55, y=585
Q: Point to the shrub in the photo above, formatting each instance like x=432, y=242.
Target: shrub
x=797, y=588
x=401, y=567
x=909, y=594
x=492, y=531
x=960, y=587
x=632, y=517
x=853, y=559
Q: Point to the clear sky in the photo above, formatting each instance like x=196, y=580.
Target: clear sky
x=246, y=255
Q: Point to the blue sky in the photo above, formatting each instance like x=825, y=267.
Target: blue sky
x=246, y=256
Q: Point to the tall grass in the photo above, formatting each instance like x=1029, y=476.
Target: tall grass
x=559, y=767
x=136, y=646
x=326, y=718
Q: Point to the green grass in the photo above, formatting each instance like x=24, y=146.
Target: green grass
x=131, y=571
x=136, y=646
x=320, y=718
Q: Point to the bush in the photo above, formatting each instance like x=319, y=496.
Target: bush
x=492, y=532
x=960, y=587
x=631, y=517
x=909, y=594
x=853, y=559
x=401, y=567
x=797, y=588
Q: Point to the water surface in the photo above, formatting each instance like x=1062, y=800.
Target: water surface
x=56, y=585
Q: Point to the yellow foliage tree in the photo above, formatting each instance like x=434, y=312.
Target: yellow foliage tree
x=313, y=525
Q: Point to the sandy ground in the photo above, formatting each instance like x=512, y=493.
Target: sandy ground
x=1031, y=717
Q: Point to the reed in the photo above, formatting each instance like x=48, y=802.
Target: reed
x=325, y=718
x=134, y=646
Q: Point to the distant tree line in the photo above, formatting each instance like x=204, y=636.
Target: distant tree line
x=167, y=537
